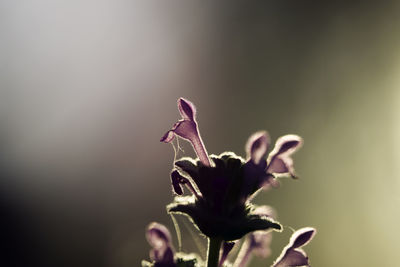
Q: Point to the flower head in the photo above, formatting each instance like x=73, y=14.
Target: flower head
x=222, y=185
x=292, y=254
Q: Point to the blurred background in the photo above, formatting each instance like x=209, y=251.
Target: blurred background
x=89, y=87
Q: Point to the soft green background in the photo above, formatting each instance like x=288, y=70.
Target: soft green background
x=89, y=87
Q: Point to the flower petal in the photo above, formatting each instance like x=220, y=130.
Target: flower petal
x=177, y=181
x=168, y=137
x=257, y=146
x=159, y=238
x=187, y=109
x=302, y=237
x=280, y=165
x=186, y=129
x=287, y=143
x=158, y=235
x=292, y=255
x=279, y=160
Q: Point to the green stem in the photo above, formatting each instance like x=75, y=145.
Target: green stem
x=214, y=245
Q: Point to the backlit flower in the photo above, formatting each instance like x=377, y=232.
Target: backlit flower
x=222, y=185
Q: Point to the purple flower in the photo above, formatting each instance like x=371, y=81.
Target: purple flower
x=162, y=253
x=292, y=254
x=222, y=186
x=159, y=238
x=279, y=160
x=187, y=129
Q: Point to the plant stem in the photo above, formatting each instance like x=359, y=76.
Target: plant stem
x=214, y=245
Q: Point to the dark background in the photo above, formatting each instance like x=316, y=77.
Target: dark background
x=89, y=87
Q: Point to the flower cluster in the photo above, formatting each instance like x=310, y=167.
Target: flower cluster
x=221, y=188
